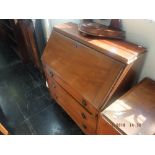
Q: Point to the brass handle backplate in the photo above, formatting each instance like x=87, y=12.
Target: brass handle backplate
x=83, y=115
x=84, y=103
x=51, y=73
x=84, y=126
x=53, y=86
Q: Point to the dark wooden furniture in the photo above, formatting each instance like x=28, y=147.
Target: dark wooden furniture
x=25, y=40
x=27, y=32
x=85, y=74
x=133, y=113
x=16, y=39
x=3, y=30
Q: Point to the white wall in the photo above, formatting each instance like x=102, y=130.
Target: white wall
x=142, y=31
x=49, y=23
x=59, y=21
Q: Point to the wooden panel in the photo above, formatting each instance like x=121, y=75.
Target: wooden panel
x=136, y=109
x=20, y=33
x=120, y=50
x=50, y=74
x=104, y=128
x=84, y=120
x=128, y=78
x=82, y=68
x=33, y=50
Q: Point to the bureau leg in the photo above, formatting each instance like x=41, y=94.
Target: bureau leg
x=3, y=130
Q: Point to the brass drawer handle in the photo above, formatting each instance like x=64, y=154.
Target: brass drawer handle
x=51, y=73
x=83, y=115
x=55, y=96
x=84, y=126
x=53, y=86
x=84, y=103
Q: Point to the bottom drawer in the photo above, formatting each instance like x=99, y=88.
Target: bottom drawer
x=83, y=119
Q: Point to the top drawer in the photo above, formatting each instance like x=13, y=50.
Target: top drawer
x=86, y=71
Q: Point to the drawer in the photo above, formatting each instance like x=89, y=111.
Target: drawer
x=83, y=119
x=50, y=75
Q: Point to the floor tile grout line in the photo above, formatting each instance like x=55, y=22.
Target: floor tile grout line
x=28, y=118
x=24, y=117
x=30, y=126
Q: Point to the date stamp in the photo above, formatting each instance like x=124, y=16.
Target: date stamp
x=132, y=125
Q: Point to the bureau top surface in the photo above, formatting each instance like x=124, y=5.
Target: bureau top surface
x=134, y=112
x=121, y=50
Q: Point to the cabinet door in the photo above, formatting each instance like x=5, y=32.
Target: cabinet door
x=87, y=71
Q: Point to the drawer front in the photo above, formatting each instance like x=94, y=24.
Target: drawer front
x=104, y=128
x=83, y=119
x=50, y=74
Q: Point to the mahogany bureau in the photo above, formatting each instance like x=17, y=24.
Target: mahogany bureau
x=132, y=114
x=85, y=75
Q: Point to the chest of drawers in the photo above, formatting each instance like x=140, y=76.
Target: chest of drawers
x=85, y=74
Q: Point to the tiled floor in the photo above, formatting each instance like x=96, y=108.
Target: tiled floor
x=25, y=102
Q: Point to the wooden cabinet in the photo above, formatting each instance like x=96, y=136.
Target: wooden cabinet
x=26, y=41
x=133, y=113
x=22, y=38
x=88, y=72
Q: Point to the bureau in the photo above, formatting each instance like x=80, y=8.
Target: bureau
x=86, y=74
